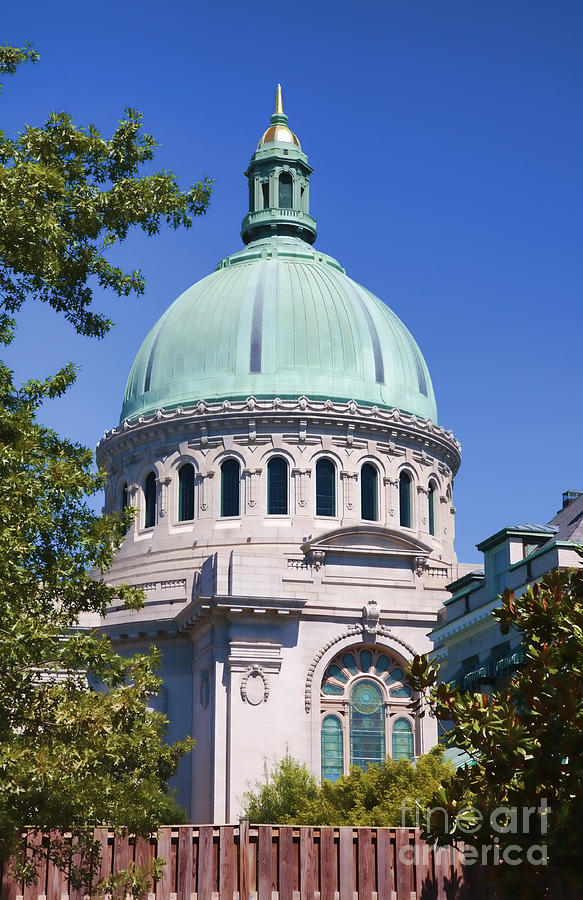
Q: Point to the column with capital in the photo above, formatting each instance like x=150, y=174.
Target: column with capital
x=205, y=492
x=134, y=500
x=391, y=499
x=300, y=477
x=250, y=478
x=423, y=491
x=347, y=481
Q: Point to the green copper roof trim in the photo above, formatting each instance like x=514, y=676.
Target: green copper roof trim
x=315, y=332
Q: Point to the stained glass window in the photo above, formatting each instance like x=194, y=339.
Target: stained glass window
x=150, y=500
x=405, y=500
x=367, y=725
x=325, y=488
x=402, y=739
x=186, y=493
x=369, y=493
x=332, y=748
x=277, y=482
x=230, y=490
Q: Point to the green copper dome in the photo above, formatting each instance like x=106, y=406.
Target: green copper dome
x=279, y=318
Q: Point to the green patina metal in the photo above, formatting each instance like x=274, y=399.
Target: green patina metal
x=279, y=318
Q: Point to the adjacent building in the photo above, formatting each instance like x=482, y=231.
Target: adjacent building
x=473, y=653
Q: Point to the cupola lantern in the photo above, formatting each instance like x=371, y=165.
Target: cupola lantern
x=279, y=178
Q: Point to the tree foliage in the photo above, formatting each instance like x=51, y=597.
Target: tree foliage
x=525, y=739
x=78, y=744
x=385, y=795
x=66, y=195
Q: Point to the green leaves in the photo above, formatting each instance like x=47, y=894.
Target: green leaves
x=79, y=744
x=382, y=796
x=525, y=739
x=66, y=195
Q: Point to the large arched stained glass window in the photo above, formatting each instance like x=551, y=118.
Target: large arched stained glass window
x=277, y=482
x=405, y=500
x=325, y=488
x=186, y=493
x=369, y=493
x=332, y=748
x=230, y=488
x=367, y=725
x=364, y=688
x=402, y=739
x=150, y=500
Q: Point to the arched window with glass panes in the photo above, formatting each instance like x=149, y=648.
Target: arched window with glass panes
x=277, y=486
x=150, y=500
x=369, y=493
x=431, y=495
x=405, y=504
x=364, y=703
x=325, y=487
x=230, y=488
x=186, y=492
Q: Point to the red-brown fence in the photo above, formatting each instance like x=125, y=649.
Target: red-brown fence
x=243, y=862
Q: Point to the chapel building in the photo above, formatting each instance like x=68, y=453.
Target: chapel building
x=295, y=531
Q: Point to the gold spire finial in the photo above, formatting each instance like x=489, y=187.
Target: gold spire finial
x=278, y=102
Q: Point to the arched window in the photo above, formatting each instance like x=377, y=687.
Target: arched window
x=150, y=500
x=402, y=739
x=277, y=487
x=186, y=493
x=405, y=499
x=265, y=194
x=325, y=488
x=285, y=191
x=369, y=493
x=332, y=748
x=230, y=488
x=363, y=688
x=367, y=725
x=431, y=508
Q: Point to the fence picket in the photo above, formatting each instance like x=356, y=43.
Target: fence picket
x=270, y=863
x=228, y=863
x=163, y=886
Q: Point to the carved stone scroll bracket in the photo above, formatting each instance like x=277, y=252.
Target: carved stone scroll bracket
x=317, y=559
x=370, y=621
x=254, y=686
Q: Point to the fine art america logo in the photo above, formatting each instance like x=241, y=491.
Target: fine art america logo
x=504, y=820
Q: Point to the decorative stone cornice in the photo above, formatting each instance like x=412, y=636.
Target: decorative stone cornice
x=397, y=425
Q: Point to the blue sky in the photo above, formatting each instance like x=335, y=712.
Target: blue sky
x=446, y=140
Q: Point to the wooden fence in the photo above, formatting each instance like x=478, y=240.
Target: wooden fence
x=243, y=862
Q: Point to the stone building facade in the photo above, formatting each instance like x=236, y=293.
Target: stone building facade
x=295, y=524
